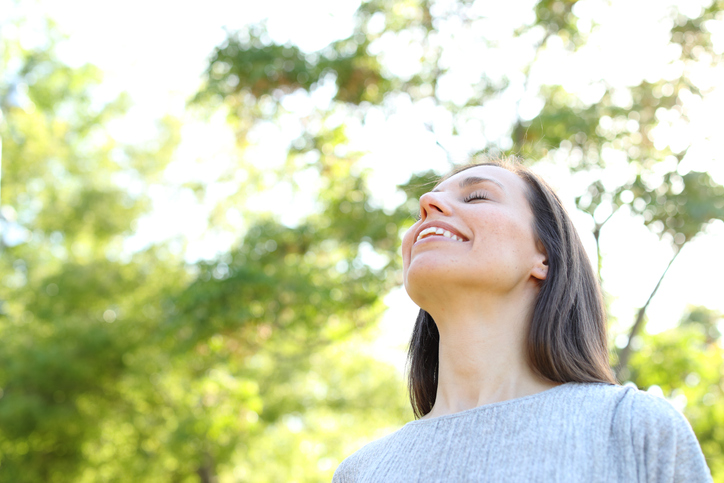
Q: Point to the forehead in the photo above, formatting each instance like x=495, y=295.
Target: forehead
x=509, y=182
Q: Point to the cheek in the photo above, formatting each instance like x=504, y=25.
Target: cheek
x=505, y=240
x=497, y=232
x=407, y=242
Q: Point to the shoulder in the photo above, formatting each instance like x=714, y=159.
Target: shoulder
x=660, y=438
x=646, y=415
x=601, y=400
x=645, y=431
x=637, y=413
x=626, y=402
x=654, y=413
x=349, y=470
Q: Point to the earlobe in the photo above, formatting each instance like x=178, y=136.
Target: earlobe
x=540, y=271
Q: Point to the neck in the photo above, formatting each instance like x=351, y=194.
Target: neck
x=482, y=357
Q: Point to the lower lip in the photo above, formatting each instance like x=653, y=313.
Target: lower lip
x=436, y=238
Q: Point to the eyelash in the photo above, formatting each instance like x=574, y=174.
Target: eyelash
x=478, y=195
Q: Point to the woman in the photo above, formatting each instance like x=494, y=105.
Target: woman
x=509, y=372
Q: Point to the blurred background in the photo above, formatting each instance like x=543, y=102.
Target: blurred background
x=202, y=206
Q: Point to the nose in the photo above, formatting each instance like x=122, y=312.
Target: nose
x=433, y=202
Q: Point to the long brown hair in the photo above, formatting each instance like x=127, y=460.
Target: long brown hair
x=567, y=341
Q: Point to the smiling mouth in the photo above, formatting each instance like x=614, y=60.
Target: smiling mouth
x=432, y=231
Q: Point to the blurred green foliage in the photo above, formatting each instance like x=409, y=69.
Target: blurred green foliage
x=687, y=363
x=119, y=366
x=145, y=369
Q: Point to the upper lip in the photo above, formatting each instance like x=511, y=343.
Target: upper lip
x=439, y=224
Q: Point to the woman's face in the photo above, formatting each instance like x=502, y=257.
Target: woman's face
x=475, y=233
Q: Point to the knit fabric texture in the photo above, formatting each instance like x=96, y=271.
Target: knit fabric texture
x=571, y=433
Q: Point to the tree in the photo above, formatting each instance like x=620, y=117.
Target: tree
x=72, y=307
x=685, y=365
x=625, y=125
x=119, y=365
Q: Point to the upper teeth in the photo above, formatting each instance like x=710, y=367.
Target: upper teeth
x=437, y=231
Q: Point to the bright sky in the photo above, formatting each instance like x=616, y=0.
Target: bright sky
x=157, y=51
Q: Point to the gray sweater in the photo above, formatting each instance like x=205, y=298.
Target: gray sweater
x=571, y=433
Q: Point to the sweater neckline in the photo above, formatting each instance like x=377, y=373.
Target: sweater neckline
x=485, y=407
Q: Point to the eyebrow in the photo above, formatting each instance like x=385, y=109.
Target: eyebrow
x=471, y=180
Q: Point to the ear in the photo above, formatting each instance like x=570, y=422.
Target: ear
x=540, y=267
x=540, y=270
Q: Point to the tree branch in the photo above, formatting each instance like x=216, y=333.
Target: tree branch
x=625, y=354
x=597, y=236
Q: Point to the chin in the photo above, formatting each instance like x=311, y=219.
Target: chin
x=425, y=283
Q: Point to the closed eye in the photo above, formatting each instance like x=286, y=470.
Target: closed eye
x=477, y=195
